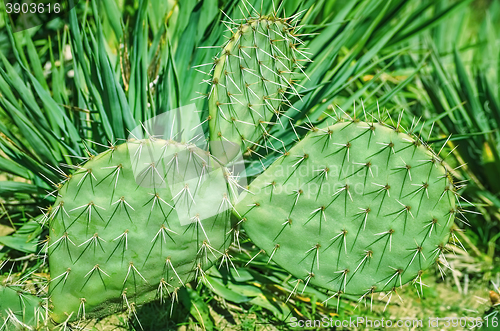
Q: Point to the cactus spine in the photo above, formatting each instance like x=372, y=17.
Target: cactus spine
x=134, y=224
x=357, y=207
x=252, y=79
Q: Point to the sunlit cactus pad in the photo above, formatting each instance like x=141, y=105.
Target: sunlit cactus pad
x=354, y=208
x=133, y=224
x=251, y=81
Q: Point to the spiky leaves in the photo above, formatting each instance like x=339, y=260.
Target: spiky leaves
x=365, y=211
x=251, y=80
x=132, y=225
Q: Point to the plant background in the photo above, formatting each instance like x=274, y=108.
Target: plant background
x=80, y=81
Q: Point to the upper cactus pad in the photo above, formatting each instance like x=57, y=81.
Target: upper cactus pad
x=133, y=224
x=355, y=208
x=251, y=79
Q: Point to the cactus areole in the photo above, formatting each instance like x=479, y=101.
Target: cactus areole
x=355, y=207
x=251, y=80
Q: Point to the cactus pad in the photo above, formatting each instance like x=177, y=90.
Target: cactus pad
x=251, y=80
x=354, y=208
x=133, y=224
x=19, y=310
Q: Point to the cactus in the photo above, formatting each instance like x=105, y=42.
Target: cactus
x=357, y=207
x=133, y=224
x=19, y=310
x=252, y=79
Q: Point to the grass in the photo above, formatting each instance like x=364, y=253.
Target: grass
x=439, y=61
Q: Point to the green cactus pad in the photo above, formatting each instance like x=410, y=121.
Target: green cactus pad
x=19, y=310
x=354, y=208
x=133, y=224
x=251, y=79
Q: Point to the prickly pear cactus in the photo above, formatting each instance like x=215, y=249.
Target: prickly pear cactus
x=354, y=208
x=251, y=80
x=134, y=224
x=19, y=310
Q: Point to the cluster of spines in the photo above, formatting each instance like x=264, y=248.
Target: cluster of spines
x=323, y=173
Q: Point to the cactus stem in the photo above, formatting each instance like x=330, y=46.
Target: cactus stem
x=365, y=212
x=144, y=173
x=445, y=191
x=163, y=231
x=389, y=234
x=253, y=205
x=168, y=264
x=424, y=188
x=396, y=275
x=385, y=189
x=87, y=174
x=57, y=209
x=157, y=199
x=404, y=211
x=272, y=185
x=326, y=135
x=180, y=195
x=115, y=173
